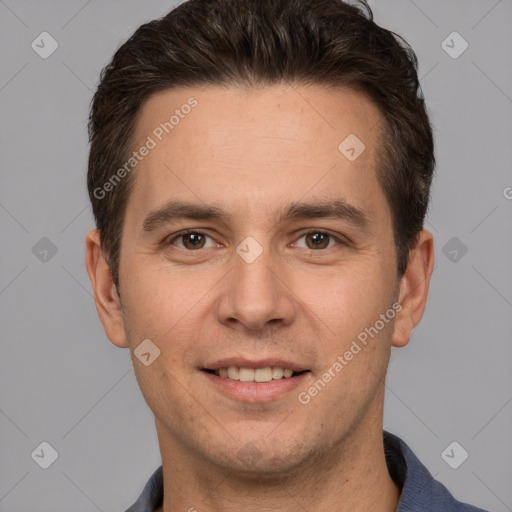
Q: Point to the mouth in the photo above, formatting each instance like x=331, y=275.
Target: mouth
x=255, y=382
x=260, y=375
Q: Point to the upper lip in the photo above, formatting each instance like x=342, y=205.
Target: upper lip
x=254, y=363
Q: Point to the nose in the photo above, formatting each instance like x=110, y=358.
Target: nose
x=255, y=294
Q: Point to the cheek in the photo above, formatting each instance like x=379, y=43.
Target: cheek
x=157, y=302
x=162, y=314
x=363, y=338
x=348, y=299
x=169, y=310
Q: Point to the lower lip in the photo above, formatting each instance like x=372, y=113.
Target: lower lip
x=256, y=391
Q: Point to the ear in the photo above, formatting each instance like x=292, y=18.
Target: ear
x=414, y=287
x=108, y=303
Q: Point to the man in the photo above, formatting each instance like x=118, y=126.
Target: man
x=259, y=174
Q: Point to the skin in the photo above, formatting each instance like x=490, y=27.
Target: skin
x=252, y=152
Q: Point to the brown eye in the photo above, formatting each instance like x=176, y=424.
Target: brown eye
x=190, y=240
x=318, y=240
x=193, y=240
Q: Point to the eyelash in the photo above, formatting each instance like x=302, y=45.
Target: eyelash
x=180, y=234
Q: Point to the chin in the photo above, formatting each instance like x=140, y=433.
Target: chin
x=263, y=459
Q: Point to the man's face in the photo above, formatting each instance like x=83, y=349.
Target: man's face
x=259, y=287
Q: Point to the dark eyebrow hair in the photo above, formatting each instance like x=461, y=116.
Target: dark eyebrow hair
x=175, y=210
x=337, y=209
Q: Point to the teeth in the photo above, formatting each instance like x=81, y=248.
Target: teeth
x=232, y=373
x=246, y=374
x=254, y=375
x=263, y=374
x=277, y=373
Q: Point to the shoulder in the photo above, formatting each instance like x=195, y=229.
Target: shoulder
x=420, y=491
x=151, y=497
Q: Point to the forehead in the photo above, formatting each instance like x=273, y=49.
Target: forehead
x=257, y=150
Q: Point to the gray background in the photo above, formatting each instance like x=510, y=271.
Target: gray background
x=61, y=381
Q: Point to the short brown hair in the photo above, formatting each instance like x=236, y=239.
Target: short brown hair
x=262, y=42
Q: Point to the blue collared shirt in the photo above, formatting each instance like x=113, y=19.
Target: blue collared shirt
x=420, y=492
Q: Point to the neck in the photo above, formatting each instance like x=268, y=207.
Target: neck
x=353, y=477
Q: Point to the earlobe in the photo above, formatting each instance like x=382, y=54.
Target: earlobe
x=106, y=298
x=414, y=288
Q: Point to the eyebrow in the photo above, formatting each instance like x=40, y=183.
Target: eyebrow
x=177, y=210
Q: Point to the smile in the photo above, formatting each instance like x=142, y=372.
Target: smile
x=246, y=374
x=255, y=385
